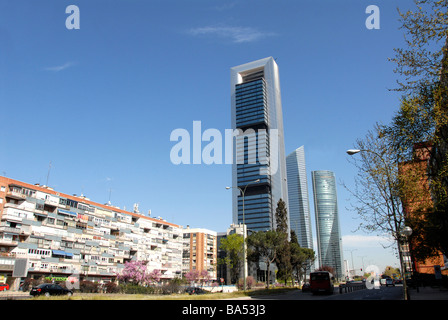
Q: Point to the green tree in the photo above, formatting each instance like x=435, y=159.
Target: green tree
x=232, y=245
x=264, y=246
x=283, y=258
x=391, y=272
x=301, y=258
x=423, y=66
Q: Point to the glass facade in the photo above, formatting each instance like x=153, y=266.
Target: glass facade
x=329, y=240
x=299, y=207
x=256, y=109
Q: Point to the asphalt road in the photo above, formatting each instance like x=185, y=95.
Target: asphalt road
x=382, y=293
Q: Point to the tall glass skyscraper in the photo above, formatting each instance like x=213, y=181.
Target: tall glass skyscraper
x=329, y=242
x=258, y=148
x=299, y=206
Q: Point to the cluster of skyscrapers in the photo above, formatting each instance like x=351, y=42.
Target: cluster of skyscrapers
x=259, y=185
x=59, y=234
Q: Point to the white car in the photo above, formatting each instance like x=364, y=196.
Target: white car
x=389, y=282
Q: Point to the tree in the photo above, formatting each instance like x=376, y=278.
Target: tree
x=424, y=67
x=154, y=276
x=232, y=245
x=301, y=258
x=377, y=185
x=137, y=272
x=326, y=268
x=391, y=272
x=283, y=258
x=204, y=277
x=264, y=246
x=192, y=276
x=426, y=31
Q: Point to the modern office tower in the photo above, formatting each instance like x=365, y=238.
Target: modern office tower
x=329, y=242
x=200, y=251
x=299, y=207
x=61, y=235
x=258, y=150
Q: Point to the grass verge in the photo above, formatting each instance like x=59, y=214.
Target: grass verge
x=207, y=296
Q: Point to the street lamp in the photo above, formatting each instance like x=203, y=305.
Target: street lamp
x=398, y=238
x=407, y=231
x=353, y=264
x=244, y=230
x=353, y=151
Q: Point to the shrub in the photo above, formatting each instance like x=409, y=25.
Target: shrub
x=88, y=286
x=111, y=287
x=131, y=288
x=173, y=286
x=250, y=281
x=29, y=283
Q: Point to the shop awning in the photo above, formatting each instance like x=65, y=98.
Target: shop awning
x=66, y=212
x=62, y=253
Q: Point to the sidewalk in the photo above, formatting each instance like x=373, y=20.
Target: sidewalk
x=13, y=295
x=429, y=293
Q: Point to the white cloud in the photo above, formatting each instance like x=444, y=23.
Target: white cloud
x=236, y=34
x=60, y=68
x=365, y=241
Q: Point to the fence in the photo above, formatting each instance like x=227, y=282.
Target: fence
x=350, y=287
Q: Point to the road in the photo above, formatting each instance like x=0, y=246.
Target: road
x=382, y=293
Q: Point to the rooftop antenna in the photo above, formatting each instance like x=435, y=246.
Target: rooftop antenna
x=48, y=174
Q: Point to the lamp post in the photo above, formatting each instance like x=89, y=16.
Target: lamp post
x=244, y=231
x=353, y=264
x=406, y=232
x=394, y=215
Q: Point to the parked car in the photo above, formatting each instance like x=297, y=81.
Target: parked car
x=389, y=282
x=305, y=287
x=194, y=290
x=4, y=286
x=50, y=289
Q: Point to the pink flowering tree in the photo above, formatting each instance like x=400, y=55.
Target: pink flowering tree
x=192, y=276
x=205, y=277
x=154, y=276
x=137, y=272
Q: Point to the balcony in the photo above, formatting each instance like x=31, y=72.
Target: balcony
x=16, y=195
x=8, y=242
x=10, y=230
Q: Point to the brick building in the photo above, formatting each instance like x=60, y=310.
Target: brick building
x=418, y=203
x=200, y=251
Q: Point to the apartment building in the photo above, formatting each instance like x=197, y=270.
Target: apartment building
x=200, y=251
x=61, y=235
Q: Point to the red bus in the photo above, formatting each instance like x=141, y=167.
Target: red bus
x=321, y=281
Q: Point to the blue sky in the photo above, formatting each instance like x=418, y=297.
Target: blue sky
x=100, y=102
